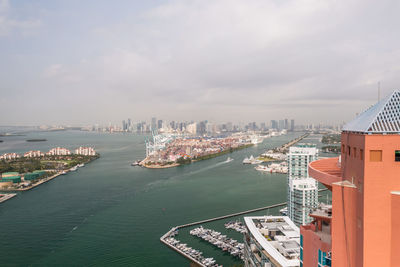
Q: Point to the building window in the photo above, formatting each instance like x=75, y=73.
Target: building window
x=354, y=152
x=361, y=154
x=343, y=150
x=375, y=155
x=348, y=150
x=397, y=155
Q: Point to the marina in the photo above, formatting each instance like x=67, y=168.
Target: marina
x=192, y=254
x=219, y=240
x=216, y=238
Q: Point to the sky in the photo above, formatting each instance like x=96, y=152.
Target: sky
x=97, y=61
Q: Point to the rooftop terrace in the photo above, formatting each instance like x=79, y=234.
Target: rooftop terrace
x=278, y=236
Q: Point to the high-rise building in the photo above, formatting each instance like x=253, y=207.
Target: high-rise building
x=362, y=228
x=281, y=125
x=286, y=126
x=129, y=124
x=292, y=125
x=274, y=124
x=159, y=124
x=302, y=193
x=153, y=123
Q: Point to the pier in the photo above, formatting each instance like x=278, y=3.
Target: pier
x=189, y=257
x=231, y=215
x=5, y=197
x=286, y=146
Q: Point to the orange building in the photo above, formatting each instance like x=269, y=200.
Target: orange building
x=363, y=228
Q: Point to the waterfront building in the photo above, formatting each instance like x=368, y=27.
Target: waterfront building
x=302, y=192
x=86, y=151
x=58, y=151
x=33, y=154
x=271, y=241
x=9, y=156
x=363, y=229
x=292, y=125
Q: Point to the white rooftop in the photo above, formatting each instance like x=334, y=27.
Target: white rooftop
x=383, y=117
x=289, y=240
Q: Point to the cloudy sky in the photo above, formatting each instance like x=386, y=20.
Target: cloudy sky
x=81, y=62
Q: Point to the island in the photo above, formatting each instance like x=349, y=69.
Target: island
x=21, y=173
x=331, y=139
x=36, y=140
x=169, y=151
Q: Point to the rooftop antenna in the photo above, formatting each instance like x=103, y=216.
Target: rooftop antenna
x=379, y=91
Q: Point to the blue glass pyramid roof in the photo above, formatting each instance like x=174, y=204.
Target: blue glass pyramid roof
x=383, y=117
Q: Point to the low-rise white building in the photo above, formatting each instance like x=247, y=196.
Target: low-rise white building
x=58, y=151
x=86, y=151
x=271, y=241
x=9, y=156
x=33, y=154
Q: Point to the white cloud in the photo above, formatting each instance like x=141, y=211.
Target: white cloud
x=8, y=24
x=237, y=59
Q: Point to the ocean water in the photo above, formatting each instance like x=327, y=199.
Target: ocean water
x=112, y=214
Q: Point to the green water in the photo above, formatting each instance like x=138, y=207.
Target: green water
x=109, y=213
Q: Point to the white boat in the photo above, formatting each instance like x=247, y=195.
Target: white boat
x=254, y=139
x=263, y=168
x=136, y=163
x=73, y=169
x=81, y=165
x=248, y=160
x=229, y=159
x=284, y=211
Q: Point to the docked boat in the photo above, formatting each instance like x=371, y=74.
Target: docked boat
x=284, y=211
x=73, y=169
x=81, y=165
x=248, y=160
x=263, y=168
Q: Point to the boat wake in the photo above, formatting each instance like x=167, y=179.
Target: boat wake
x=177, y=177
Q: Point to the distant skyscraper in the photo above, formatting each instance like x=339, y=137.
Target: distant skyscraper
x=274, y=124
x=172, y=124
x=281, y=125
x=302, y=190
x=159, y=124
x=286, y=124
x=229, y=127
x=292, y=125
x=129, y=125
x=153, y=123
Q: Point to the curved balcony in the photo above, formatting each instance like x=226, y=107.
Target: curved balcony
x=326, y=171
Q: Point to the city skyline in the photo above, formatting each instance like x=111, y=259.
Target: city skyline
x=221, y=60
